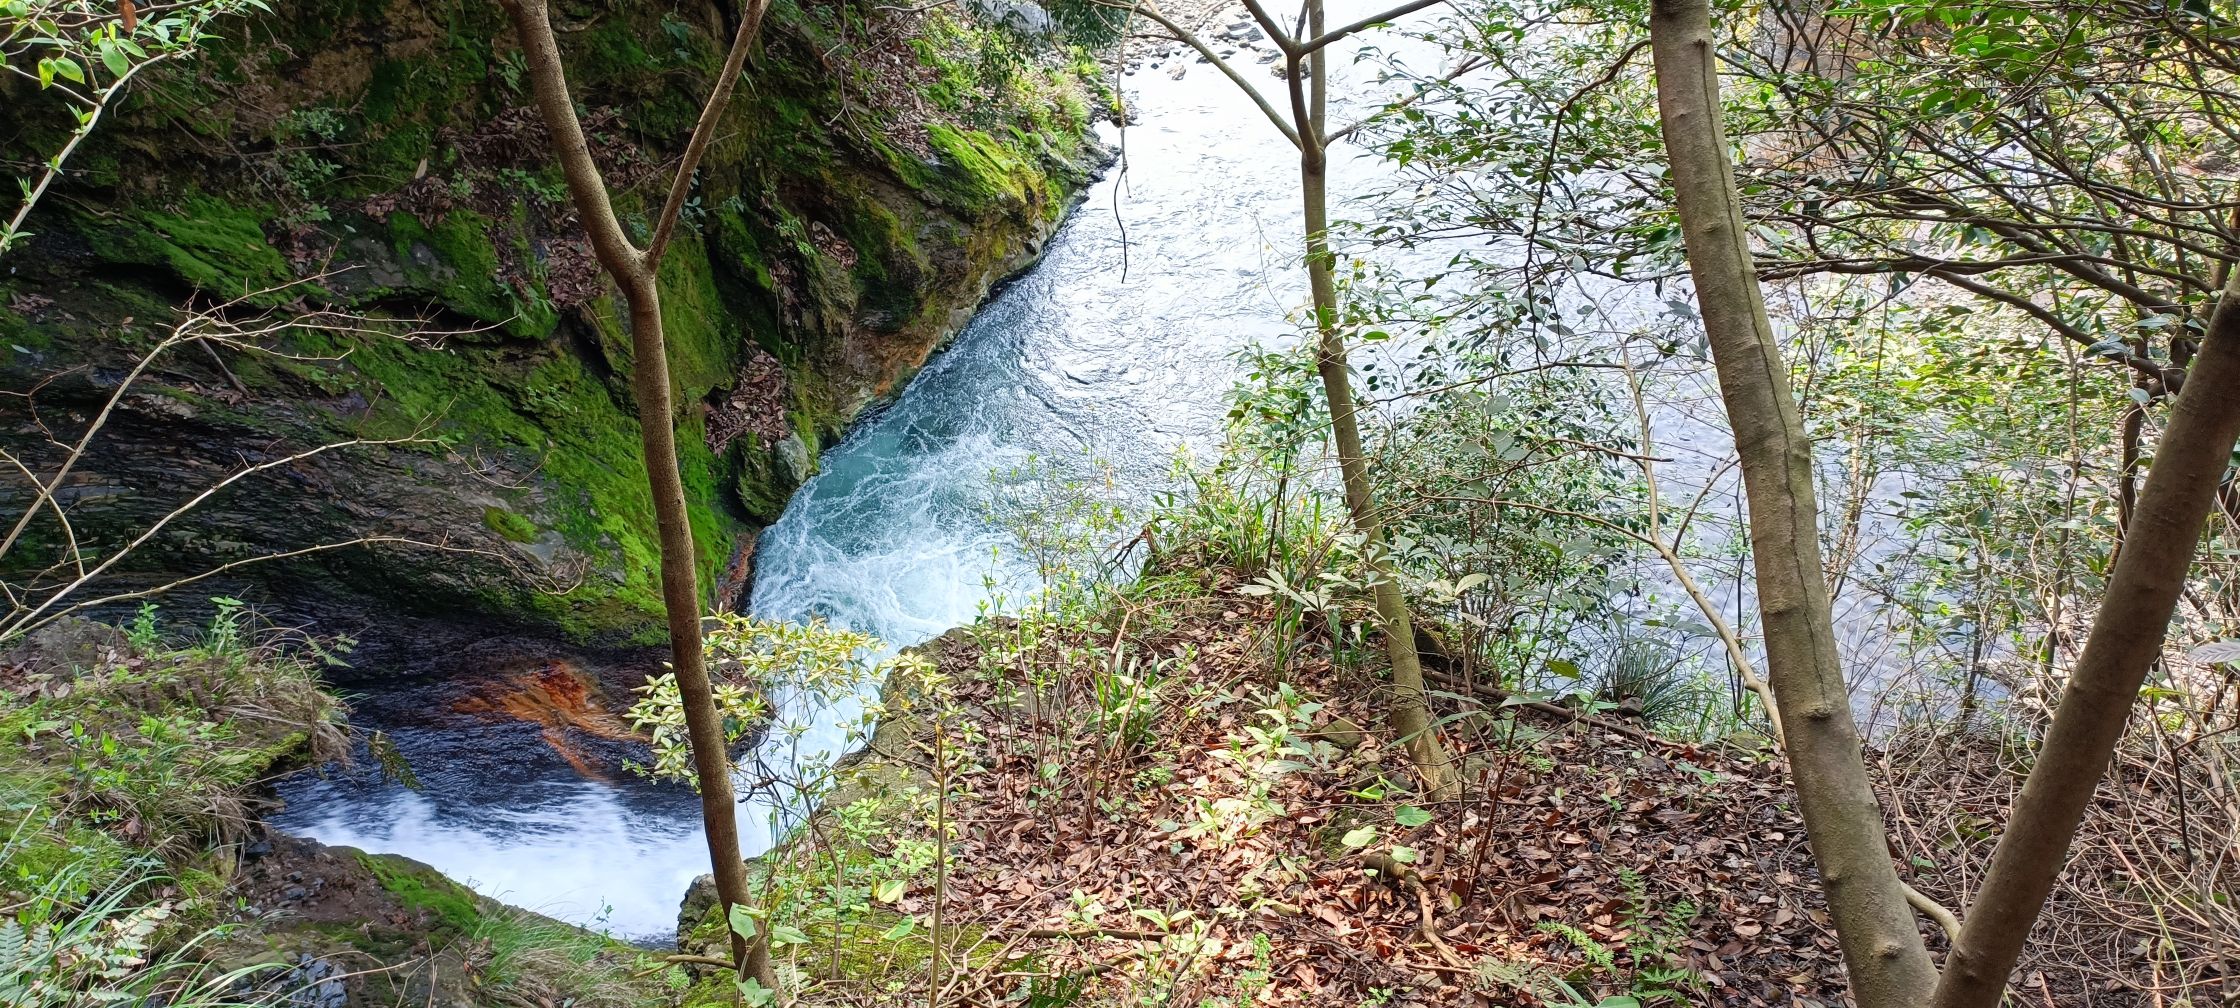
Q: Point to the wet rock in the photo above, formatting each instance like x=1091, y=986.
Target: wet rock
x=317, y=983
x=1026, y=18
x=699, y=901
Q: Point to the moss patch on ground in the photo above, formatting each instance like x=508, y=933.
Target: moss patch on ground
x=119, y=748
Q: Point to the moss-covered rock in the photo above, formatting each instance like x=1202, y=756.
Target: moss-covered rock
x=380, y=159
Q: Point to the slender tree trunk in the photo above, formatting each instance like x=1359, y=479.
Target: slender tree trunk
x=1410, y=712
x=1304, y=68
x=2126, y=640
x=636, y=272
x=1882, y=946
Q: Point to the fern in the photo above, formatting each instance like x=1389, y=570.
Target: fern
x=1598, y=955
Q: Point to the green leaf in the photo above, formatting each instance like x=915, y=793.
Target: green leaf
x=1406, y=855
x=1411, y=816
x=907, y=927
x=890, y=890
x=753, y=994
x=114, y=58
x=786, y=934
x=742, y=922
x=1359, y=837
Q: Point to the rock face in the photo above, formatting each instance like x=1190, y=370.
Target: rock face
x=380, y=160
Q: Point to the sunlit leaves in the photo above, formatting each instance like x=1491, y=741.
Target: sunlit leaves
x=754, y=660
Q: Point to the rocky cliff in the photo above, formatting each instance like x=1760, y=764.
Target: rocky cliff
x=380, y=160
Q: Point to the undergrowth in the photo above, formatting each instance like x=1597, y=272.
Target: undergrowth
x=128, y=762
x=120, y=745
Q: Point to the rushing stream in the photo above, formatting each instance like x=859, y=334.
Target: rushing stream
x=1114, y=352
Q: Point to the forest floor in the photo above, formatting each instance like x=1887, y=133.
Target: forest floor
x=1580, y=864
x=1145, y=813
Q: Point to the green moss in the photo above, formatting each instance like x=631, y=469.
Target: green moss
x=612, y=49
x=451, y=906
x=211, y=244
x=46, y=849
x=512, y=526
x=421, y=89
x=703, y=341
x=164, y=739
x=17, y=331
x=891, y=264
x=588, y=450
x=457, y=261
x=388, y=92
x=980, y=162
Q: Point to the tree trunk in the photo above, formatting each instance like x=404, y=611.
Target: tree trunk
x=1410, y=712
x=1888, y=963
x=2126, y=640
x=637, y=274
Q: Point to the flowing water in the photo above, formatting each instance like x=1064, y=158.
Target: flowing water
x=1115, y=348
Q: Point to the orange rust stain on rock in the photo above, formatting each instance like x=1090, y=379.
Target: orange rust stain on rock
x=555, y=697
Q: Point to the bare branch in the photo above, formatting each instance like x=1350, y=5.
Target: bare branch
x=1373, y=20
x=34, y=624
x=1191, y=39
x=704, y=131
x=1466, y=66
x=16, y=622
x=2142, y=365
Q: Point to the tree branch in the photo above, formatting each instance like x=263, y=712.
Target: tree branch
x=1371, y=21
x=703, y=132
x=1191, y=39
x=2033, y=309
x=586, y=186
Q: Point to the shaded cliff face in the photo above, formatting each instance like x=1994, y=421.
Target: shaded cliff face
x=381, y=159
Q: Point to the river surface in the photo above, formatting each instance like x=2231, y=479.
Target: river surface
x=1114, y=351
